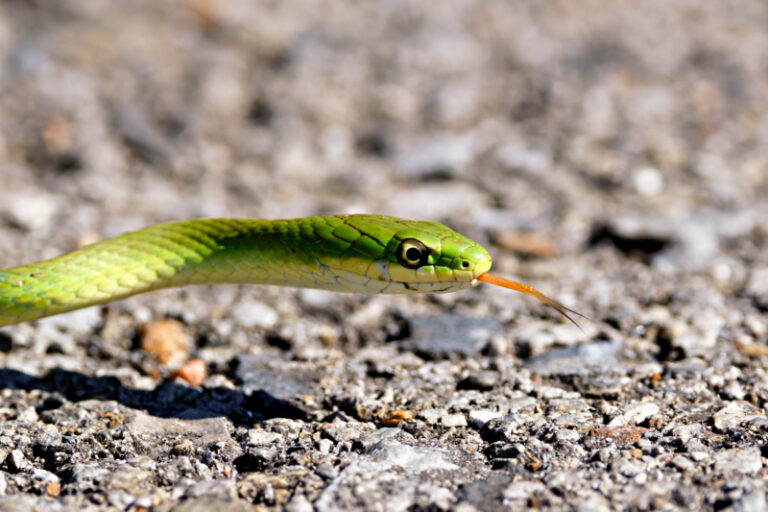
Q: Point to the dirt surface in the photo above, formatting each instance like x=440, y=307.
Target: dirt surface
x=613, y=154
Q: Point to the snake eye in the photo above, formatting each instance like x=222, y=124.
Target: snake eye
x=411, y=253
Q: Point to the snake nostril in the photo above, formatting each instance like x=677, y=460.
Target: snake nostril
x=465, y=264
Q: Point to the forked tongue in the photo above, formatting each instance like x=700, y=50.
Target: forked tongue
x=529, y=290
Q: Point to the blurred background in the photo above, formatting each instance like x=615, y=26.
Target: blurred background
x=615, y=151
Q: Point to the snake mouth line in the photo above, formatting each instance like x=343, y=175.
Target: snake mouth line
x=410, y=287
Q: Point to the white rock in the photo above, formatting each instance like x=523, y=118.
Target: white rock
x=733, y=414
x=480, y=417
x=648, y=181
x=634, y=414
x=522, y=490
x=255, y=314
x=454, y=420
x=260, y=437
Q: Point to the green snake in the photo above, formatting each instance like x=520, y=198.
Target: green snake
x=345, y=253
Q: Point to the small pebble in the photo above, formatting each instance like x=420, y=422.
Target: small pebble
x=479, y=417
x=634, y=414
x=251, y=314
x=648, y=181
x=394, y=418
x=683, y=463
x=193, y=372
x=454, y=420
x=168, y=341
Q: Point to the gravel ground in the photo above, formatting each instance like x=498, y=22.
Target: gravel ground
x=612, y=154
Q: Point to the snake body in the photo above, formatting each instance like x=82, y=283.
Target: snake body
x=346, y=253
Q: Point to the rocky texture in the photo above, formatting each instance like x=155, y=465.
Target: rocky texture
x=610, y=153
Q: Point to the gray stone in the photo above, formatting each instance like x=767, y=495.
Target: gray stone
x=204, y=430
x=29, y=415
x=432, y=416
x=429, y=495
x=221, y=489
x=261, y=437
x=25, y=503
x=522, y=490
x=299, y=503
x=317, y=299
x=683, y=463
x=145, y=501
x=629, y=467
x=522, y=404
x=593, y=502
x=354, y=431
x=254, y=374
x=413, y=459
x=752, y=502
x=607, y=454
x=127, y=477
x=439, y=337
x=567, y=435
x=327, y=471
x=758, y=282
x=684, y=433
x=634, y=414
x=733, y=414
x=503, y=428
x=575, y=356
x=17, y=462
x=121, y=500
x=739, y=460
x=88, y=475
x=251, y=313
x=479, y=417
x=32, y=212
x=212, y=504
x=486, y=493
x=480, y=380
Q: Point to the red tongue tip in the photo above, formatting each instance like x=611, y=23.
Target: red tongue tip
x=524, y=288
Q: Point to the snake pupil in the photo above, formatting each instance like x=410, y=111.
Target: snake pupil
x=412, y=253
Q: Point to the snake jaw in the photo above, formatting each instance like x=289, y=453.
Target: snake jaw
x=529, y=290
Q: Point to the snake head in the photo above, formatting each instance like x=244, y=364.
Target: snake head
x=428, y=257
x=381, y=254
